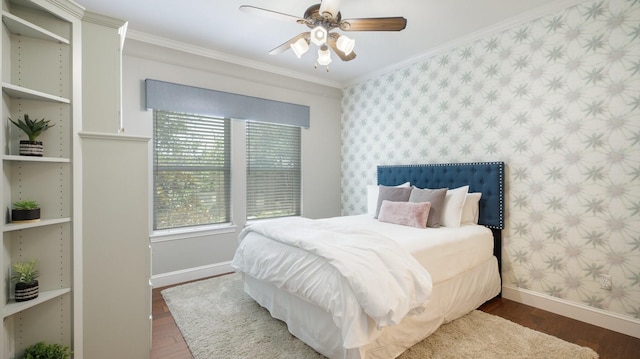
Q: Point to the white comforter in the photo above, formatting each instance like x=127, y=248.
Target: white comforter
x=365, y=280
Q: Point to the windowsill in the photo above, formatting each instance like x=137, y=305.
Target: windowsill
x=193, y=232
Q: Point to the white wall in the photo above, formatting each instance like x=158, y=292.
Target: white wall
x=190, y=253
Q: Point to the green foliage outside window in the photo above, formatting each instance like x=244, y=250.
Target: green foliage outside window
x=191, y=170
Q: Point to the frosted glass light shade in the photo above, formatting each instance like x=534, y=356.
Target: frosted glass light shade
x=319, y=35
x=300, y=47
x=329, y=8
x=345, y=44
x=324, y=56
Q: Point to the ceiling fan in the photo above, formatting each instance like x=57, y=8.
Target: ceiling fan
x=322, y=19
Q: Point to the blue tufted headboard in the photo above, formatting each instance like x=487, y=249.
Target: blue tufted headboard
x=485, y=177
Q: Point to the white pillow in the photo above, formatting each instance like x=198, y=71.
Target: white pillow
x=372, y=197
x=452, y=209
x=471, y=209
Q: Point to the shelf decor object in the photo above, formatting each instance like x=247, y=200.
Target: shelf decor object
x=33, y=129
x=27, y=291
x=25, y=276
x=25, y=211
x=42, y=350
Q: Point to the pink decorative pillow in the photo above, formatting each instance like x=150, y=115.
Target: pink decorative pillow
x=405, y=213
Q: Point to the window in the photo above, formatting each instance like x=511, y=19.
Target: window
x=191, y=170
x=273, y=170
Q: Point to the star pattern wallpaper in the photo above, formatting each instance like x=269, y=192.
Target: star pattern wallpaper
x=558, y=100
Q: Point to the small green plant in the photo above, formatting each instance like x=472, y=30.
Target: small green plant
x=25, y=205
x=41, y=350
x=25, y=272
x=32, y=128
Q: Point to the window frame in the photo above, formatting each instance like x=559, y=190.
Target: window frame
x=290, y=159
x=220, y=127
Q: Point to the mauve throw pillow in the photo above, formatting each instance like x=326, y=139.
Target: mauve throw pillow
x=405, y=213
x=436, y=197
x=394, y=194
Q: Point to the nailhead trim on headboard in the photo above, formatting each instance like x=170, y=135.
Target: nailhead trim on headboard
x=485, y=177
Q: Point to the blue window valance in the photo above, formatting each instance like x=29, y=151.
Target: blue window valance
x=168, y=96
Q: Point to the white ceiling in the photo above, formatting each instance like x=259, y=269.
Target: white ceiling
x=218, y=28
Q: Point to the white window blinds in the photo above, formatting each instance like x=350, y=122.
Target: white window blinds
x=273, y=170
x=191, y=170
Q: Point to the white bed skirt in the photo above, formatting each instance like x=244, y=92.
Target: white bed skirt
x=451, y=299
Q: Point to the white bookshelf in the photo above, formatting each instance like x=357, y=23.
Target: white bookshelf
x=35, y=159
x=19, y=26
x=20, y=92
x=40, y=77
x=13, y=307
x=40, y=223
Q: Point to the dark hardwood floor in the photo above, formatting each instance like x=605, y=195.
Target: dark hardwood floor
x=168, y=342
x=608, y=344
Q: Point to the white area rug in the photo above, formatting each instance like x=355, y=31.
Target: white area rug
x=218, y=320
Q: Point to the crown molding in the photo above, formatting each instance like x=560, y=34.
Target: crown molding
x=520, y=19
x=216, y=55
x=103, y=20
x=69, y=6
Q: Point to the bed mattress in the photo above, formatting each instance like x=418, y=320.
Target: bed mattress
x=435, y=248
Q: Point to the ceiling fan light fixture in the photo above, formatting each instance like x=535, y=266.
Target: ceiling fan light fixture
x=322, y=18
x=329, y=8
x=324, y=56
x=345, y=44
x=300, y=47
x=319, y=35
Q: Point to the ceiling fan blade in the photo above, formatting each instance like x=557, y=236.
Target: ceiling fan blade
x=331, y=41
x=374, y=24
x=284, y=47
x=271, y=14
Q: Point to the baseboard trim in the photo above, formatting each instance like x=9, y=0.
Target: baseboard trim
x=189, y=274
x=577, y=311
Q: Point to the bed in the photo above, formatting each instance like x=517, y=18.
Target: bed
x=325, y=298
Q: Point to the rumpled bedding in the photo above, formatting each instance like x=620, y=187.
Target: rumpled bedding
x=364, y=280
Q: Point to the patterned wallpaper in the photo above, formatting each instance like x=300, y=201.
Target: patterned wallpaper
x=557, y=99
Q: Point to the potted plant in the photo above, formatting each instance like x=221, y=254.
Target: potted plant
x=33, y=129
x=25, y=276
x=25, y=210
x=42, y=350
